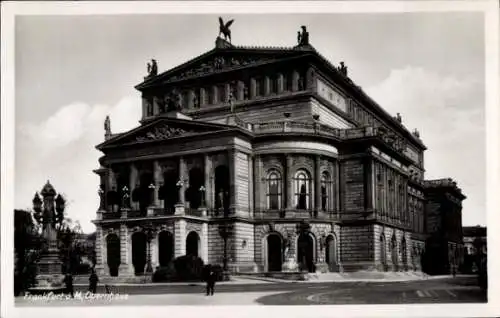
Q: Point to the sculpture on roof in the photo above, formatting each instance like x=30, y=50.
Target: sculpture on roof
x=303, y=38
x=342, y=69
x=398, y=118
x=224, y=29
x=153, y=68
x=107, y=127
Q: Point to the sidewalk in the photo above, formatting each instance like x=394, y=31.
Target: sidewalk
x=224, y=299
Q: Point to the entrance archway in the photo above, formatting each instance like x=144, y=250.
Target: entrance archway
x=139, y=246
x=274, y=253
x=113, y=253
x=394, y=251
x=331, y=253
x=221, y=187
x=196, y=180
x=305, y=252
x=192, y=244
x=165, y=248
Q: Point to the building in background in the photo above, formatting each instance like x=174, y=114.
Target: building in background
x=475, y=246
x=268, y=159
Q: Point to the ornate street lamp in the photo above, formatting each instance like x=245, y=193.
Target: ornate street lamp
x=202, y=195
x=49, y=212
x=125, y=197
x=149, y=231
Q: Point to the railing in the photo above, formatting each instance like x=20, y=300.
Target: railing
x=388, y=138
x=295, y=214
x=111, y=215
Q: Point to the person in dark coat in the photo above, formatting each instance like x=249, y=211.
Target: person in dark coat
x=93, y=280
x=211, y=278
x=68, y=280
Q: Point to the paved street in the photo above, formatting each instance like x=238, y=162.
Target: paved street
x=446, y=290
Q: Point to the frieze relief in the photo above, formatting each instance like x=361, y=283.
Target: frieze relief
x=217, y=64
x=162, y=132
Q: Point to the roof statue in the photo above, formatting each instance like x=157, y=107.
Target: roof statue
x=107, y=127
x=343, y=69
x=224, y=29
x=303, y=38
x=398, y=118
x=152, y=68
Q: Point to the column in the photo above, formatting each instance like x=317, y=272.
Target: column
x=157, y=176
x=233, y=187
x=281, y=82
x=132, y=182
x=203, y=97
x=311, y=79
x=240, y=90
x=267, y=86
x=215, y=91
x=144, y=107
x=183, y=178
x=317, y=183
x=289, y=182
x=337, y=195
x=208, y=187
x=156, y=105
x=191, y=96
x=227, y=91
x=204, y=242
x=253, y=88
x=295, y=81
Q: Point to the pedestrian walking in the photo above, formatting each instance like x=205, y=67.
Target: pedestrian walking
x=211, y=282
x=93, y=280
x=68, y=280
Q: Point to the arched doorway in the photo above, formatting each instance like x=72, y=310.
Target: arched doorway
x=139, y=246
x=331, y=253
x=383, y=252
x=113, y=253
x=193, y=194
x=394, y=251
x=274, y=253
x=192, y=244
x=146, y=194
x=169, y=192
x=221, y=187
x=165, y=248
x=305, y=252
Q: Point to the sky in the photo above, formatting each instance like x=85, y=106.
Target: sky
x=72, y=71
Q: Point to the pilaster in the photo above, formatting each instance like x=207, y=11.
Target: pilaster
x=99, y=239
x=227, y=92
x=257, y=176
x=133, y=182
x=267, y=86
x=180, y=237
x=123, y=245
x=154, y=251
x=215, y=92
x=203, y=97
x=317, y=183
x=240, y=90
x=289, y=182
x=204, y=242
x=157, y=179
x=233, y=184
x=250, y=185
x=183, y=178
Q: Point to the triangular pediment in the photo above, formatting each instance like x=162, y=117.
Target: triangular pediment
x=219, y=60
x=162, y=129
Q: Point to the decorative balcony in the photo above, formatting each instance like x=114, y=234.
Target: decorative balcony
x=111, y=215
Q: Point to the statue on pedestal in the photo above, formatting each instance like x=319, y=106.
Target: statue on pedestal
x=343, y=69
x=107, y=127
x=152, y=68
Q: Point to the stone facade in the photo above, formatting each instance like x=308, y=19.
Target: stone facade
x=280, y=166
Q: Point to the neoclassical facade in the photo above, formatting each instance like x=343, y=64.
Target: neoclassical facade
x=266, y=159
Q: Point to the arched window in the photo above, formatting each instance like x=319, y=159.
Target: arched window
x=273, y=183
x=302, y=183
x=326, y=192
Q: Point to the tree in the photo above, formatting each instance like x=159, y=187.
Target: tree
x=27, y=244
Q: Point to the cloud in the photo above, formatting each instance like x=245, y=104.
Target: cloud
x=62, y=149
x=449, y=113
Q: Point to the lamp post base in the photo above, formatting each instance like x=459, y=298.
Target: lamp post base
x=48, y=283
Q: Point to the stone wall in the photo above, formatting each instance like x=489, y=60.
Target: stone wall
x=352, y=185
x=357, y=246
